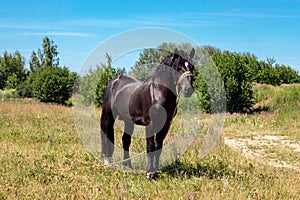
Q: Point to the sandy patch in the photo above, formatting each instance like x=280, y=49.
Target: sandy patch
x=245, y=146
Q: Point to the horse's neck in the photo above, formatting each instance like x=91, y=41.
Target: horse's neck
x=165, y=78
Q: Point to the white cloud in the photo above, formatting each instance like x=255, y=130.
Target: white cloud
x=71, y=34
x=28, y=25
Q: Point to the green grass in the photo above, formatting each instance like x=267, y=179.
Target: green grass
x=42, y=157
x=283, y=153
x=8, y=94
x=281, y=99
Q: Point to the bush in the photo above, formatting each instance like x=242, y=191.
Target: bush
x=107, y=74
x=265, y=73
x=7, y=94
x=53, y=84
x=25, y=90
x=287, y=74
x=235, y=71
x=11, y=81
x=209, y=89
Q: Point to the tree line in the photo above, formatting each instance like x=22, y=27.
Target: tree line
x=47, y=81
x=238, y=72
x=44, y=80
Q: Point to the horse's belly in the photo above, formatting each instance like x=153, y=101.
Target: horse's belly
x=130, y=105
x=125, y=113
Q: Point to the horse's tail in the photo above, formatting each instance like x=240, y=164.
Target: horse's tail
x=107, y=119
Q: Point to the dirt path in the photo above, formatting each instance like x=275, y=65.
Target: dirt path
x=258, y=148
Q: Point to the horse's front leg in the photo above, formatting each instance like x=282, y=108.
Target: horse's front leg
x=150, y=171
x=159, y=138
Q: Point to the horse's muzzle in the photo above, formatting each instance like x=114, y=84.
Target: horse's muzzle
x=187, y=91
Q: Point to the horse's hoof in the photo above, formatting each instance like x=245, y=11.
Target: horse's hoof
x=152, y=175
x=107, y=161
x=127, y=166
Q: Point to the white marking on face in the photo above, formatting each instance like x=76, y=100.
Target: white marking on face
x=186, y=64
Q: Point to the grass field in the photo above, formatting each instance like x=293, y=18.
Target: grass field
x=42, y=157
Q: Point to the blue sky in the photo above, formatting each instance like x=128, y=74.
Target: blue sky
x=267, y=28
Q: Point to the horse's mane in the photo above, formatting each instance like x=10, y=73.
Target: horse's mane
x=171, y=62
x=180, y=56
x=167, y=60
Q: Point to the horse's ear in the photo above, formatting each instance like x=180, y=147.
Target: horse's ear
x=175, y=55
x=192, y=53
x=176, y=51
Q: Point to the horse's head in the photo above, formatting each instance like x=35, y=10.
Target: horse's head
x=184, y=78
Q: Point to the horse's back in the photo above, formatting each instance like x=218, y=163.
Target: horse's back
x=118, y=92
x=122, y=83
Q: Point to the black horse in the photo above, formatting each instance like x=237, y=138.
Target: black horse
x=151, y=103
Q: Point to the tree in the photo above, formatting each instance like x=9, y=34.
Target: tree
x=235, y=71
x=92, y=84
x=268, y=72
x=50, y=82
x=209, y=88
x=286, y=74
x=271, y=61
x=12, y=67
x=47, y=57
x=146, y=64
x=34, y=62
x=53, y=84
x=25, y=90
x=11, y=82
x=50, y=53
x=87, y=86
x=106, y=75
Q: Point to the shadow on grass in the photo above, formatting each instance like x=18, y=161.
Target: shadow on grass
x=212, y=171
x=259, y=109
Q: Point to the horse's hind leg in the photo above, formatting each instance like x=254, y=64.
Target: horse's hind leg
x=126, y=139
x=107, y=134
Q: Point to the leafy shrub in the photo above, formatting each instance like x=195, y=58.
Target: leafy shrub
x=209, y=89
x=92, y=84
x=7, y=94
x=235, y=71
x=11, y=81
x=12, y=70
x=53, y=84
x=87, y=87
x=286, y=74
x=107, y=74
x=25, y=90
x=274, y=74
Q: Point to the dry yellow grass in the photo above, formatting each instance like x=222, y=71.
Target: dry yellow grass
x=43, y=157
